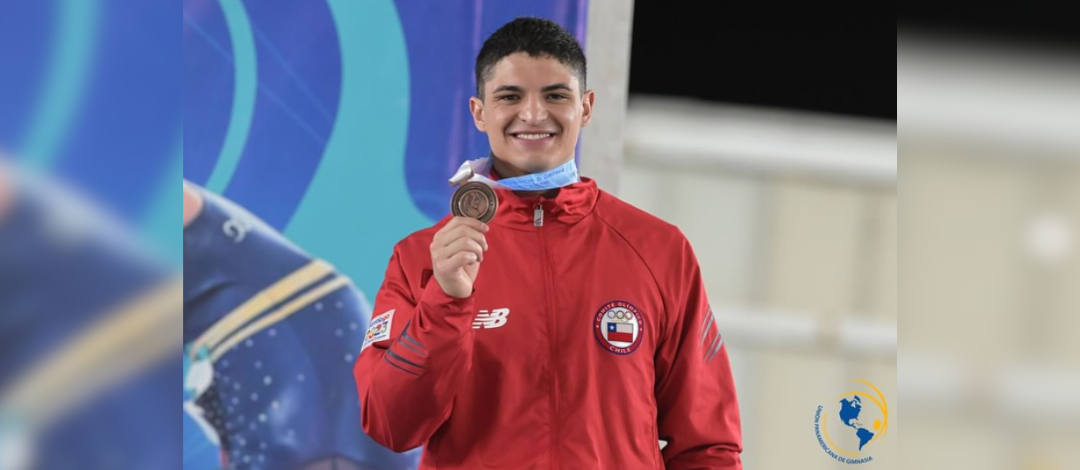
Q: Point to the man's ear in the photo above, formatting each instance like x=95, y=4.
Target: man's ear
x=476, y=107
x=587, y=101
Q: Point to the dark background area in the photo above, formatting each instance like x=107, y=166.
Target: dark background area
x=835, y=65
x=812, y=60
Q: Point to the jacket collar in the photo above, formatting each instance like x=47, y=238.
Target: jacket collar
x=569, y=206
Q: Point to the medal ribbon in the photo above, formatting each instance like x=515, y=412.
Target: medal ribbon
x=474, y=170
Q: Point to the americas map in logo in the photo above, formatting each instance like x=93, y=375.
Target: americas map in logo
x=858, y=419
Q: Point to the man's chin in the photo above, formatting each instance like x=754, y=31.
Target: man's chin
x=530, y=163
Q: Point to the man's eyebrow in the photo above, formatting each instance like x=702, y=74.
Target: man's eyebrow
x=513, y=88
x=557, y=86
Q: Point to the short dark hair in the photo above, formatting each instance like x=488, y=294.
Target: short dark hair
x=534, y=36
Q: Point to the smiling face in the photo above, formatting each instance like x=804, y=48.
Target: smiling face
x=532, y=111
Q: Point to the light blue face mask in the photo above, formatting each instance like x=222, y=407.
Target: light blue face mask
x=474, y=170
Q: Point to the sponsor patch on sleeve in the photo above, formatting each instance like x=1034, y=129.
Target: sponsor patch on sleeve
x=379, y=329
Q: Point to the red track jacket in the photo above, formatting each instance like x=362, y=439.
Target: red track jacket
x=588, y=337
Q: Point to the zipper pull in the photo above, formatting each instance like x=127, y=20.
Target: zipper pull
x=538, y=216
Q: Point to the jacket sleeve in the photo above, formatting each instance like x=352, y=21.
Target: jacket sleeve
x=408, y=374
x=698, y=414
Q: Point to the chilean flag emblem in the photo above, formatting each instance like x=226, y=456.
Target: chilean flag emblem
x=620, y=332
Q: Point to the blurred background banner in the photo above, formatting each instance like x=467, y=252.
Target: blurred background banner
x=90, y=91
x=91, y=97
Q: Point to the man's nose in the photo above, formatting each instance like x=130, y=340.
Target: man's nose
x=533, y=111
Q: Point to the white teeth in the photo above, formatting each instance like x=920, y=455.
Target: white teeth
x=533, y=136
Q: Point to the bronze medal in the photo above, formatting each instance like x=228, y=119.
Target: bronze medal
x=475, y=200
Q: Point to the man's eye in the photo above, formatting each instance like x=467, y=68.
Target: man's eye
x=507, y=98
x=557, y=97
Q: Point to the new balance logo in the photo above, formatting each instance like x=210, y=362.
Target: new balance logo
x=491, y=319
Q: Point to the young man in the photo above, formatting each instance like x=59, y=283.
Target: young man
x=570, y=332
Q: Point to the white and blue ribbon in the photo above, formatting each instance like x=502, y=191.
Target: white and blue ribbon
x=474, y=170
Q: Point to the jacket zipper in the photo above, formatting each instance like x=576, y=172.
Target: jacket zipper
x=538, y=222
